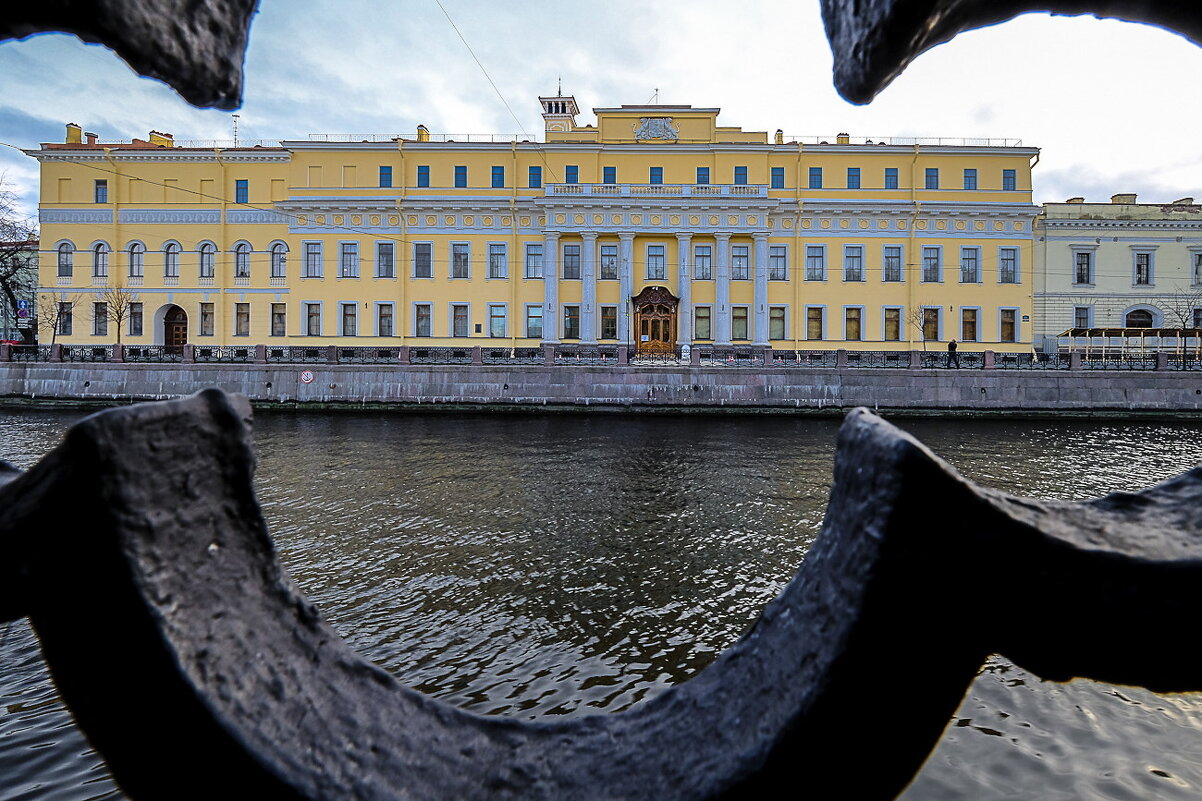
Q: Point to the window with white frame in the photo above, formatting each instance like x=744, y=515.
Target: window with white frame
x=778, y=263
x=135, y=319
x=1082, y=317
x=738, y=322
x=385, y=260
x=1197, y=270
x=932, y=266
x=815, y=263
x=853, y=263
x=313, y=260
x=423, y=260
x=460, y=261
x=814, y=325
x=776, y=322
x=930, y=323
x=534, y=322
x=1009, y=325
x=891, y=266
x=279, y=260
x=534, y=260
x=1142, y=268
x=657, y=269
x=66, y=260
x=423, y=320
x=1083, y=267
x=100, y=260
x=206, y=320
x=609, y=262
x=241, y=319
x=968, y=325
x=498, y=261
x=609, y=322
x=571, y=262
x=740, y=263
x=279, y=319
x=459, y=320
x=100, y=319
x=970, y=265
x=1197, y=317
x=571, y=322
x=384, y=320
x=348, y=260
x=1007, y=265
x=853, y=323
x=702, y=328
x=892, y=320
x=313, y=319
x=703, y=262
x=137, y=259
x=242, y=260
x=350, y=319
x=497, y=316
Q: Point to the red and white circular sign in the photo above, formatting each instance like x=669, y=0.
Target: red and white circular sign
x=306, y=376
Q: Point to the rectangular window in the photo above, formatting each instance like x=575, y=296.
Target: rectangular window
x=1009, y=180
x=1197, y=268
x=135, y=319
x=893, y=324
x=815, y=177
x=423, y=320
x=348, y=260
x=656, y=175
x=1009, y=325
x=534, y=322
x=460, y=176
x=279, y=319
x=571, y=174
x=423, y=176
x=350, y=319
x=496, y=320
x=740, y=176
x=101, y=191
x=778, y=177
x=738, y=322
x=571, y=262
x=656, y=262
x=242, y=191
x=776, y=322
x=609, y=262
x=814, y=322
x=853, y=177
x=1081, y=317
x=740, y=263
x=460, y=267
x=1197, y=318
x=385, y=176
x=932, y=174
x=930, y=324
x=932, y=268
x=853, y=323
x=384, y=326
x=853, y=263
x=778, y=263
x=609, y=322
x=459, y=320
x=313, y=319
x=571, y=322
x=1007, y=265
x=423, y=260
x=891, y=177
x=498, y=261
x=1143, y=269
x=815, y=263
x=312, y=260
x=65, y=314
x=703, y=176
x=701, y=323
x=385, y=263
x=534, y=260
x=241, y=319
x=703, y=262
x=1083, y=269
x=970, y=265
x=534, y=177
x=968, y=325
x=892, y=263
x=609, y=175
x=206, y=319
x=970, y=178
x=498, y=177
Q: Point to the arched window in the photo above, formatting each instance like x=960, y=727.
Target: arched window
x=242, y=260
x=171, y=260
x=137, y=258
x=100, y=260
x=1139, y=318
x=66, y=260
x=279, y=256
x=208, y=254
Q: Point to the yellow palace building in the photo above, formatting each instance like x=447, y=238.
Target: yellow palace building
x=655, y=228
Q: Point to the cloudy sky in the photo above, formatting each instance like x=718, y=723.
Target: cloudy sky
x=1113, y=105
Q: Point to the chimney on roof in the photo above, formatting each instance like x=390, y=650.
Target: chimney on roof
x=74, y=134
x=843, y=139
x=1075, y=200
x=423, y=133
x=1123, y=198
x=1184, y=201
x=162, y=139
x=91, y=137
x=780, y=136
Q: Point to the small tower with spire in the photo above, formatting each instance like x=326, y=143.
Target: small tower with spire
x=559, y=112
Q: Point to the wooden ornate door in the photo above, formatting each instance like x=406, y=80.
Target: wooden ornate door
x=175, y=329
x=655, y=322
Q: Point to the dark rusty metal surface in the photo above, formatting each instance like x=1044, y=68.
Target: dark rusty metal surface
x=873, y=41
x=140, y=537
x=195, y=46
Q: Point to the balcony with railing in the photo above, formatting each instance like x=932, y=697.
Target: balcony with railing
x=658, y=190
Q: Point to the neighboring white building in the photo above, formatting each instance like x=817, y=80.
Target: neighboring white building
x=1120, y=264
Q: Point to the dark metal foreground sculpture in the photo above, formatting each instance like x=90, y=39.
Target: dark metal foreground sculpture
x=140, y=537
x=873, y=41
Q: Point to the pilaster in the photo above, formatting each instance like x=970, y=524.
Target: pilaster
x=761, y=288
x=722, y=288
x=588, y=289
x=684, y=312
x=625, y=284
x=551, y=287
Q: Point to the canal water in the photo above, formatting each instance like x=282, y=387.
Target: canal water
x=538, y=566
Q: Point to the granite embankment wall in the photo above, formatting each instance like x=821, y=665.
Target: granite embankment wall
x=730, y=388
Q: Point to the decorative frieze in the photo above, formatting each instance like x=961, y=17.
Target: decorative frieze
x=80, y=216
x=170, y=217
x=255, y=217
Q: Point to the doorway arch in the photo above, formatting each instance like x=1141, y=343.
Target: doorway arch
x=655, y=321
x=171, y=327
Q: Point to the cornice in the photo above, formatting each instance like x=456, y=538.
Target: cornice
x=1095, y=225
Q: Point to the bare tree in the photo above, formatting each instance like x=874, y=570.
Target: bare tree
x=915, y=318
x=1179, y=307
x=18, y=259
x=53, y=311
x=118, y=304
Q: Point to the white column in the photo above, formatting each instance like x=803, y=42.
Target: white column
x=551, y=287
x=625, y=286
x=761, y=287
x=722, y=288
x=588, y=288
x=684, y=312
